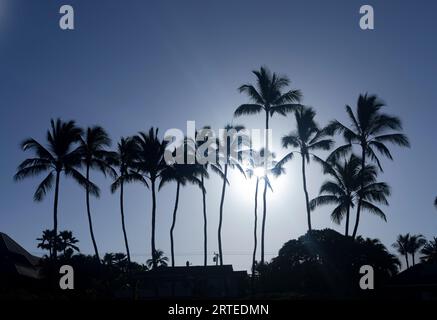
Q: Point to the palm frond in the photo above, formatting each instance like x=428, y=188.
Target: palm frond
x=248, y=109
x=44, y=187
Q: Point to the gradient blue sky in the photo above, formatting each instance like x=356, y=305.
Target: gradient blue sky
x=133, y=64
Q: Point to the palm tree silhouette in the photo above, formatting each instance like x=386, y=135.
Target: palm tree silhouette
x=67, y=243
x=201, y=137
x=95, y=156
x=369, y=131
x=58, y=157
x=256, y=167
x=344, y=189
x=181, y=174
x=151, y=164
x=229, y=146
x=308, y=138
x=402, y=246
x=267, y=97
x=124, y=159
x=416, y=242
x=429, y=251
x=158, y=260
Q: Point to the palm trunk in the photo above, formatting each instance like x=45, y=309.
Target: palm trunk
x=54, y=254
x=406, y=260
x=155, y=264
x=222, y=200
x=307, y=200
x=263, y=228
x=123, y=223
x=266, y=156
x=174, y=223
x=255, y=240
x=205, y=224
x=89, y=214
x=363, y=163
x=414, y=262
x=347, y=221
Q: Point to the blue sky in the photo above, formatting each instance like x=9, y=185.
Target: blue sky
x=129, y=65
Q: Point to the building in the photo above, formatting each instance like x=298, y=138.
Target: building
x=192, y=282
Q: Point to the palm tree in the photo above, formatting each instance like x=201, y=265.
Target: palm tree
x=429, y=251
x=307, y=138
x=256, y=168
x=150, y=164
x=229, y=146
x=201, y=137
x=344, y=189
x=95, y=156
x=58, y=157
x=370, y=130
x=181, y=174
x=267, y=97
x=402, y=246
x=67, y=243
x=416, y=242
x=124, y=159
x=159, y=260
x=341, y=190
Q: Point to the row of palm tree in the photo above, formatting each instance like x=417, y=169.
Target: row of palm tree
x=407, y=244
x=353, y=180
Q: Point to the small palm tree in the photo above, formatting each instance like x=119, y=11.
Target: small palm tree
x=67, y=243
x=402, y=246
x=416, y=242
x=58, y=157
x=124, y=159
x=370, y=130
x=159, y=260
x=95, y=156
x=344, y=190
x=181, y=174
x=429, y=251
x=307, y=138
x=151, y=164
x=229, y=146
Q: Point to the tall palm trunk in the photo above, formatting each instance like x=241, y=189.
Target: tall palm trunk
x=363, y=163
x=347, y=221
x=174, y=223
x=155, y=263
x=54, y=254
x=89, y=214
x=123, y=225
x=406, y=260
x=414, y=262
x=205, y=223
x=255, y=239
x=307, y=200
x=222, y=200
x=265, y=188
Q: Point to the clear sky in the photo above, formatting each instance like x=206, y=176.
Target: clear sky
x=129, y=65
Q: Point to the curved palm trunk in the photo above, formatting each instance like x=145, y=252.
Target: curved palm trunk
x=363, y=163
x=264, y=221
x=174, y=223
x=222, y=200
x=89, y=214
x=265, y=189
x=347, y=221
x=54, y=254
x=205, y=224
x=255, y=239
x=154, y=258
x=123, y=225
x=307, y=200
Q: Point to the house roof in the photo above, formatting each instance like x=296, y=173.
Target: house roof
x=15, y=258
x=422, y=274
